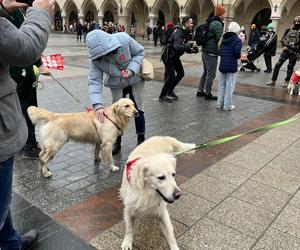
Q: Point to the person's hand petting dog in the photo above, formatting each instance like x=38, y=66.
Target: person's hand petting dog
x=100, y=115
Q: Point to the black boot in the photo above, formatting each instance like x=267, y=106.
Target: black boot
x=29, y=240
x=117, y=146
x=140, y=139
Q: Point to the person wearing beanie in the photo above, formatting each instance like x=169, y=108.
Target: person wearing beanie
x=230, y=52
x=210, y=52
x=170, y=25
x=270, y=46
x=175, y=45
x=291, y=43
x=253, y=36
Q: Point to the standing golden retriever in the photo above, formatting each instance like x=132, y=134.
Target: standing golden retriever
x=56, y=129
x=149, y=184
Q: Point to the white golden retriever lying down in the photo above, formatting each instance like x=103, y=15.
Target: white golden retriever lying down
x=149, y=184
x=56, y=129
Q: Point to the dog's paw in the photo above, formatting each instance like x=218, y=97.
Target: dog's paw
x=174, y=247
x=126, y=245
x=114, y=169
x=47, y=174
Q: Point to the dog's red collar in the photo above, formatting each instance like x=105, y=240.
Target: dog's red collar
x=129, y=166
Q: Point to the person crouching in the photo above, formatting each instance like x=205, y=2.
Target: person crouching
x=231, y=47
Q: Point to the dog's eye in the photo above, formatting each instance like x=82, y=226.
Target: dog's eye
x=161, y=177
x=127, y=106
x=173, y=174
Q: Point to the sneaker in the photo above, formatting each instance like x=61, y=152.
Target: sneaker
x=30, y=151
x=285, y=84
x=211, y=97
x=200, y=93
x=173, y=96
x=29, y=240
x=268, y=71
x=271, y=83
x=164, y=99
x=232, y=107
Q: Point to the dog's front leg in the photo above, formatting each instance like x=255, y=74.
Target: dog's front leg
x=97, y=149
x=167, y=228
x=107, y=155
x=292, y=89
x=128, y=238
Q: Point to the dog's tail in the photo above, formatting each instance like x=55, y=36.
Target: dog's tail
x=38, y=115
x=180, y=146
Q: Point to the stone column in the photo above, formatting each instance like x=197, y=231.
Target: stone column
x=125, y=20
x=100, y=18
x=81, y=16
x=64, y=20
x=153, y=20
x=275, y=22
x=276, y=15
x=229, y=15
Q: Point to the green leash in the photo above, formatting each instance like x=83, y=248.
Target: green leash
x=230, y=138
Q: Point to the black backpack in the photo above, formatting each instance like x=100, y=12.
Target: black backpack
x=201, y=33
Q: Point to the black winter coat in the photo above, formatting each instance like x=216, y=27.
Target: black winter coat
x=271, y=40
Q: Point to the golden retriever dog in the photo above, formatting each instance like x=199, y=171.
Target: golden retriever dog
x=56, y=129
x=149, y=184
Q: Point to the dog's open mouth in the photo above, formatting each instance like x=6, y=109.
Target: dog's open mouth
x=164, y=198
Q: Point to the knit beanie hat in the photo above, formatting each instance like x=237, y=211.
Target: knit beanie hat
x=219, y=10
x=234, y=27
x=185, y=19
x=170, y=25
x=270, y=26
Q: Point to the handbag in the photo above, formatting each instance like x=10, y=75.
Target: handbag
x=147, y=72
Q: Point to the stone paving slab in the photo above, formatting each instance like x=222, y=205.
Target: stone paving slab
x=210, y=234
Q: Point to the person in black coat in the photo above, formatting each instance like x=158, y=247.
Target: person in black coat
x=253, y=37
x=176, y=44
x=157, y=32
x=79, y=29
x=270, y=47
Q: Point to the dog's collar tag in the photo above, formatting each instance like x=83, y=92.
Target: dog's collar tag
x=129, y=166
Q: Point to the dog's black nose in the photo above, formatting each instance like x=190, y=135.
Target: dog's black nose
x=177, y=194
x=136, y=113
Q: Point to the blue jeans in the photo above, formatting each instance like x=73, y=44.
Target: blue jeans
x=225, y=89
x=9, y=238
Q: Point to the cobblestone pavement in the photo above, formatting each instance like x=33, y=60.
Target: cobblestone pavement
x=213, y=193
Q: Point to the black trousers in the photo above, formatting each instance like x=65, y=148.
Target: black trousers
x=28, y=97
x=174, y=72
x=285, y=55
x=268, y=62
x=140, y=119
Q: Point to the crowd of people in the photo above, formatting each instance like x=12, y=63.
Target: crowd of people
x=82, y=29
x=226, y=45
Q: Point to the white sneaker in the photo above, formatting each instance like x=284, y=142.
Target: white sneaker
x=232, y=107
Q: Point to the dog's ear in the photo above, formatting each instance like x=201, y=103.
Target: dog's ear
x=116, y=108
x=142, y=170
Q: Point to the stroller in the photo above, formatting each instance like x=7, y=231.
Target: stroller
x=247, y=62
